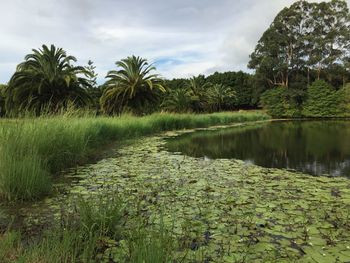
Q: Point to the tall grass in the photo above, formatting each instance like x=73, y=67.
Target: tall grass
x=32, y=149
x=93, y=232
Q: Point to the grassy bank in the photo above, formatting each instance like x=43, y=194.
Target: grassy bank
x=33, y=149
x=92, y=232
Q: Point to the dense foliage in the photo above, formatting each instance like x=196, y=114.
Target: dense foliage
x=344, y=94
x=132, y=86
x=278, y=104
x=242, y=84
x=178, y=100
x=2, y=100
x=47, y=78
x=216, y=92
x=305, y=42
x=320, y=100
x=219, y=97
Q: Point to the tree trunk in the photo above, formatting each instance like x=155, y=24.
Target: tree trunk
x=318, y=72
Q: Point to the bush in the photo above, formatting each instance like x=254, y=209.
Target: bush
x=322, y=101
x=344, y=95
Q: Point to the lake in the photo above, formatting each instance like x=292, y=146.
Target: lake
x=313, y=147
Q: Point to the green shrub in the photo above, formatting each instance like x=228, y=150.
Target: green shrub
x=344, y=95
x=322, y=101
x=281, y=102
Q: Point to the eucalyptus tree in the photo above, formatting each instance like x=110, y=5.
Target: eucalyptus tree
x=47, y=79
x=280, y=49
x=330, y=43
x=303, y=40
x=133, y=85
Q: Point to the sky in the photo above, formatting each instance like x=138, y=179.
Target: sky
x=181, y=37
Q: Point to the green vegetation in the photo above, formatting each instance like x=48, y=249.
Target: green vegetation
x=2, y=100
x=344, y=96
x=90, y=232
x=306, y=43
x=196, y=210
x=320, y=100
x=178, y=100
x=46, y=79
x=133, y=86
x=32, y=149
x=278, y=104
x=217, y=92
x=152, y=206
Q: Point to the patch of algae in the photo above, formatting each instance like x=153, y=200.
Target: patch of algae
x=226, y=210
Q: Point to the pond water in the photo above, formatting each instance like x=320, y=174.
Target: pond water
x=313, y=147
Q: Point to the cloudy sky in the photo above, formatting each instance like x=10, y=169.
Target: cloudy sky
x=182, y=37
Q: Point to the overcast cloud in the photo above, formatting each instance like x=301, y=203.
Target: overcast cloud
x=182, y=37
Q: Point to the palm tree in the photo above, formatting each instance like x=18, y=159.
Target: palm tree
x=178, y=100
x=47, y=79
x=219, y=96
x=133, y=85
x=198, y=86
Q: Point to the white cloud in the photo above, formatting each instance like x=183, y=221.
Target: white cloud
x=183, y=37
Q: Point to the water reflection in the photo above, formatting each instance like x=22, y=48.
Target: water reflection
x=315, y=147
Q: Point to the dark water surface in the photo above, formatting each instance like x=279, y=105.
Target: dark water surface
x=314, y=147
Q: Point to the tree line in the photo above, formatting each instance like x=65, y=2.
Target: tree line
x=48, y=80
x=302, y=59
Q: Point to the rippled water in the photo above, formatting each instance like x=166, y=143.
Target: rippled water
x=314, y=147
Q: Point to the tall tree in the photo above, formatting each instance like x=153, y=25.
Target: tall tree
x=94, y=91
x=92, y=73
x=331, y=35
x=47, y=78
x=133, y=85
x=280, y=49
x=303, y=39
